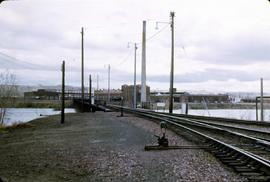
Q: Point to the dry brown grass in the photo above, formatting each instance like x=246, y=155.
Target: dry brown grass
x=15, y=126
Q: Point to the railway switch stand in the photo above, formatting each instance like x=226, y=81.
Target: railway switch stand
x=122, y=109
x=163, y=141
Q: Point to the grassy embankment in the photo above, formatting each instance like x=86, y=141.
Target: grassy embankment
x=55, y=104
x=14, y=126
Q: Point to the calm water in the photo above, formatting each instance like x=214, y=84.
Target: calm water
x=247, y=114
x=22, y=115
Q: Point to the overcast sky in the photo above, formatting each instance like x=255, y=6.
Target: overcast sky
x=219, y=45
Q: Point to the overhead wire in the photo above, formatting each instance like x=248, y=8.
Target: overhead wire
x=124, y=60
x=155, y=34
x=147, y=39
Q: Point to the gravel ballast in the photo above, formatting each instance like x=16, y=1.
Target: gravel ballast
x=102, y=147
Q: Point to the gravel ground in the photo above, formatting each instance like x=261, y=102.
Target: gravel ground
x=101, y=147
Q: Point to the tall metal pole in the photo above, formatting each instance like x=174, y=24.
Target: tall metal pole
x=143, y=74
x=82, y=71
x=109, y=80
x=172, y=65
x=63, y=94
x=135, y=93
x=262, y=115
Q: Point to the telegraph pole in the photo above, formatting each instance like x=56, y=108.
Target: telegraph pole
x=109, y=80
x=135, y=93
x=172, y=65
x=97, y=86
x=262, y=115
x=82, y=71
x=90, y=89
x=97, y=82
x=63, y=94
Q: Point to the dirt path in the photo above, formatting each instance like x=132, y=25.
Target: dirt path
x=101, y=147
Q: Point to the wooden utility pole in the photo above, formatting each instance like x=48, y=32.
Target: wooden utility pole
x=63, y=94
x=134, y=90
x=109, y=83
x=82, y=71
x=257, y=119
x=97, y=82
x=97, y=87
x=262, y=115
x=90, y=89
x=90, y=93
x=172, y=65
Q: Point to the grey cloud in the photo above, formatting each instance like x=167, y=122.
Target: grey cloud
x=11, y=63
x=242, y=49
x=8, y=62
x=208, y=74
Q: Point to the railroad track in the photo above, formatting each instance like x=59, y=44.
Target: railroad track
x=248, y=154
x=255, y=128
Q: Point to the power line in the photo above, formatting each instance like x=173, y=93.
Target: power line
x=161, y=30
x=155, y=34
x=147, y=39
x=125, y=59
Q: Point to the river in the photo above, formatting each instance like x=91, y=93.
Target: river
x=22, y=115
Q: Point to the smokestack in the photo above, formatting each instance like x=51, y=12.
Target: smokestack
x=143, y=75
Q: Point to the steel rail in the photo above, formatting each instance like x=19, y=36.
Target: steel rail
x=228, y=120
x=255, y=140
x=229, y=124
x=264, y=135
x=254, y=162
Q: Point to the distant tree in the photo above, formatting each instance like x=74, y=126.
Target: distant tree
x=8, y=92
